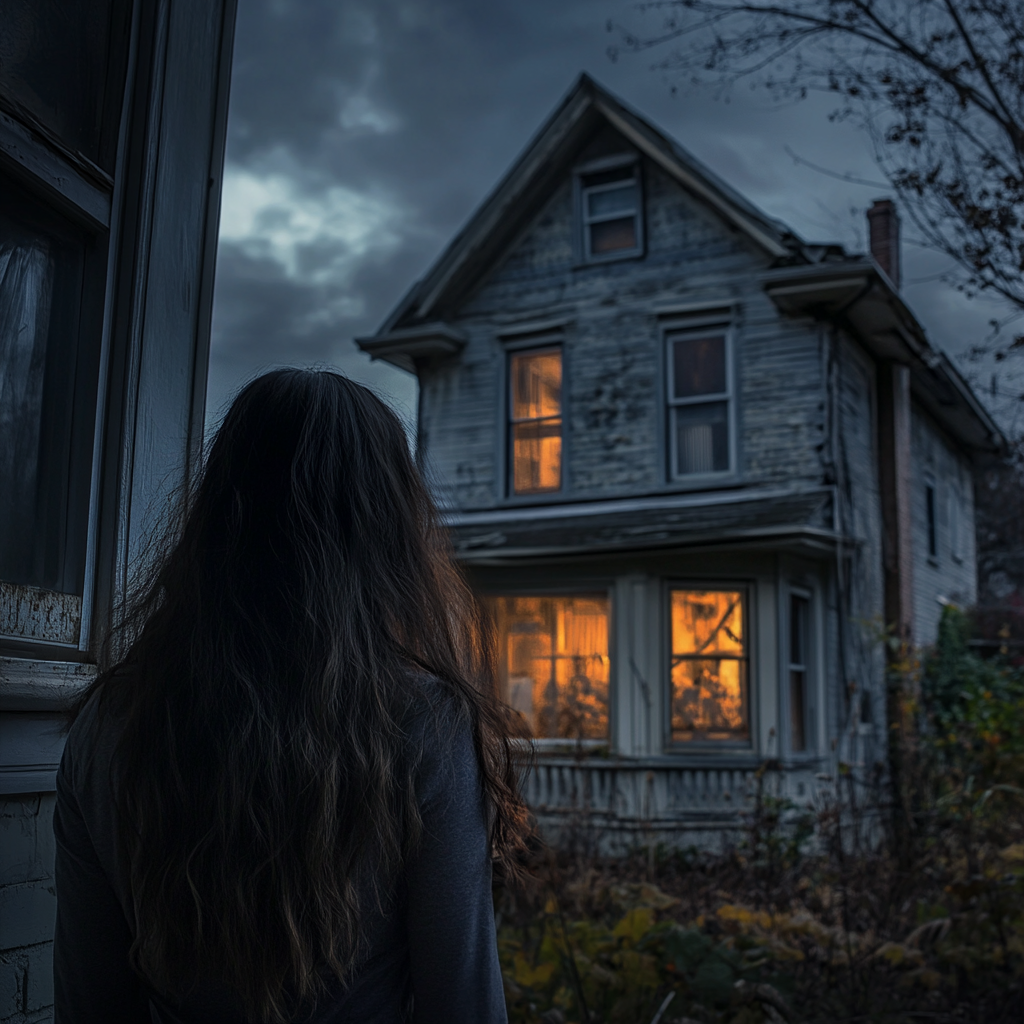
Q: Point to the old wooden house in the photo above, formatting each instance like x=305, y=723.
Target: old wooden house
x=695, y=466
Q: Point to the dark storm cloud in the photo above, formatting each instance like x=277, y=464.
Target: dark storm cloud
x=363, y=134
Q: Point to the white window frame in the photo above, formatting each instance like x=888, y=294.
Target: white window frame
x=671, y=333
x=585, y=220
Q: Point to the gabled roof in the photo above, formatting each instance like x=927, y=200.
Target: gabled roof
x=819, y=280
x=546, y=157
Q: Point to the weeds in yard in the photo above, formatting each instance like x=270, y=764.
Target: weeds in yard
x=815, y=915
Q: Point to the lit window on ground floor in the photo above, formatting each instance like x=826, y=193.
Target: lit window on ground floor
x=709, y=666
x=553, y=662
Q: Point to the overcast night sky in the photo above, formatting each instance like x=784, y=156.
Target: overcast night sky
x=362, y=134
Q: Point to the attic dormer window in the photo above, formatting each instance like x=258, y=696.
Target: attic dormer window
x=610, y=207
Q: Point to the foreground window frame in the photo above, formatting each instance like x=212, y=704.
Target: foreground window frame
x=687, y=646
x=538, y=418
x=716, y=397
x=587, y=671
x=58, y=151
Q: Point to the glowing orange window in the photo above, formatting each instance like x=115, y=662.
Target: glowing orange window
x=710, y=699
x=536, y=427
x=553, y=662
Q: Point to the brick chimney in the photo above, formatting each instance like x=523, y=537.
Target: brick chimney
x=884, y=232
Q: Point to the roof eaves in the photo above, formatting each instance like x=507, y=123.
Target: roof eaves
x=838, y=289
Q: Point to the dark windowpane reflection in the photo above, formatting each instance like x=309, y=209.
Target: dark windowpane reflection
x=613, y=235
x=702, y=438
x=54, y=64
x=698, y=366
x=43, y=469
x=614, y=200
x=929, y=509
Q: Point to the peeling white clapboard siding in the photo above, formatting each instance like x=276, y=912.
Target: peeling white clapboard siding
x=951, y=573
x=614, y=379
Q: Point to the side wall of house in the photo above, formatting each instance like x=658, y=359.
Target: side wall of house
x=612, y=317
x=857, y=591
x=949, y=573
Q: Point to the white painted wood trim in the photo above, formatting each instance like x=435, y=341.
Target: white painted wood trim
x=30, y=685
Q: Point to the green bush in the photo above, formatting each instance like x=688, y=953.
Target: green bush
x=974, y=712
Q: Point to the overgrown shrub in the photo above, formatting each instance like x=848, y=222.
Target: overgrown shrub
x=974, y=707
x=782, y=928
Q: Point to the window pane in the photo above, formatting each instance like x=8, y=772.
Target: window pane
x=537, y=456
x=929, y=510
x=553, y=662
x=702, y=438
x=797, y=629
x=41, y=274
x=54, y=64
x=797, y=710
x=536, y=385
x=706, y=622
x=536, y=430
x=799, y=608
x=613, y=235
x=698, y=366
x=612, y=200
x=709, y=700
x=954, y=523
x=709, y=666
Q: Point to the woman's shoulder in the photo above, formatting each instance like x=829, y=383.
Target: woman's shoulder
x=94, y=734
x=434, y=709
x=440, y=735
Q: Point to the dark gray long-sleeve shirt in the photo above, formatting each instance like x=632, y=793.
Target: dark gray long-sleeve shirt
x=431, y=958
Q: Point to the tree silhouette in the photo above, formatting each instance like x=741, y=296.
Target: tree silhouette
x=937, y=84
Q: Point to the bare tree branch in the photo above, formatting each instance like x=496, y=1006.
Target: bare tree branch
x=938, y=85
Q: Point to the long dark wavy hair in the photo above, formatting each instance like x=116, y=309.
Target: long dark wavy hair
x=264, y=676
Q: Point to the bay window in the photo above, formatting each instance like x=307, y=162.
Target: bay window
x=553, y=665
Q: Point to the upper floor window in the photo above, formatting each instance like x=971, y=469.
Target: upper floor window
x=700, y=402
x=535, y=427
x=610, y=207
x=709, y=665
x=553, y=664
